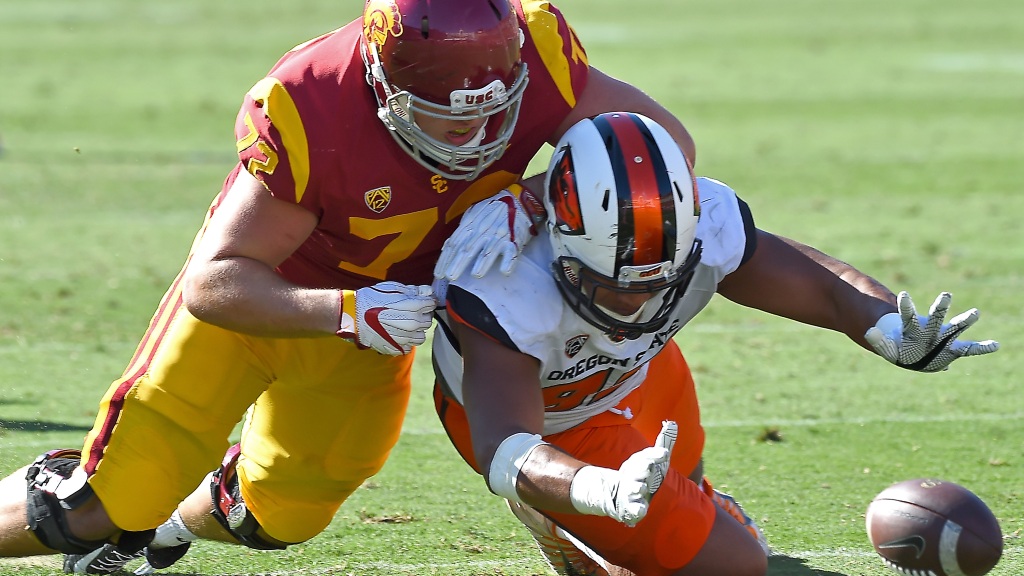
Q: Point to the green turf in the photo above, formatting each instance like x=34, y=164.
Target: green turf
x=886, y=133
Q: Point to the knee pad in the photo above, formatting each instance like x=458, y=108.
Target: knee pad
x=229, y=508
x=53, y=490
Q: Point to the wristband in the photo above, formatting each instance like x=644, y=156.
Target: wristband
x=592, y=489
x=347, y=316
x=507, y=461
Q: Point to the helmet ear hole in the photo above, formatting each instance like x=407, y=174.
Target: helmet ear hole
x=638, y=237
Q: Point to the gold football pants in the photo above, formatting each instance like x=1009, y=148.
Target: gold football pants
x=322, y=417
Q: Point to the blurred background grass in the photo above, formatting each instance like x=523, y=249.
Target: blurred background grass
x=886, y=133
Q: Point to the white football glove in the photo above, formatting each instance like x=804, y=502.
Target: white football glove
x=625, y=494
x=389, y=317
x=925, y=343
x=498, y=227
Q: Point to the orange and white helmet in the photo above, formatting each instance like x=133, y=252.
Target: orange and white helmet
x=622, y=211
x=449, y=59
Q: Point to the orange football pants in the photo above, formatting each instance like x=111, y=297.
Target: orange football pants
x=322, y=417
x=680, y=516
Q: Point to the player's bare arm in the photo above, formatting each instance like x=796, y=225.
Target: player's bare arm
x=230, y=281
x=793, y=280
x=502, y=397
x=505, y=409
x=604, y=93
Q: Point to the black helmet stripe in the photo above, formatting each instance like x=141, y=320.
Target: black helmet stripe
x=647, y=218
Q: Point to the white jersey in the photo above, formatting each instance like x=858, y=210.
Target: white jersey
x=582, y=371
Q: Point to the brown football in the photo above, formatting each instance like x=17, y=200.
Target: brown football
x=928, y=527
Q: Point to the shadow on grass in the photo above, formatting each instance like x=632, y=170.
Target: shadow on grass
x=788, y=566
x=40, y=426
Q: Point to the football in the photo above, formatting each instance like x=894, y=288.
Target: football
x=928, y=527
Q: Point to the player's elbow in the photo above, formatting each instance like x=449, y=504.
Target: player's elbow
x=199, y=292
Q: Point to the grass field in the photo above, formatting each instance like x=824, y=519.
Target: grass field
x=890, y=134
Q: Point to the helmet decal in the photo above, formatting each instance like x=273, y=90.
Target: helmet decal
x=565, y=197
x=647, y=217
x=381, y=18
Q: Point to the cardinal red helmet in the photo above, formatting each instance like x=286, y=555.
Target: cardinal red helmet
x=622, y=219
x=448, y=59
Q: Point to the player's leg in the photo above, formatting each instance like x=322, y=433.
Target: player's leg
x=194, y=519
x=670, y=387
x=89, y=521
x=326, y=424
x=733, y=508
x=320, y=430
x=563, y=555
x=687, y=517
x=727, y=550
x=164, y=425
x=684, y=529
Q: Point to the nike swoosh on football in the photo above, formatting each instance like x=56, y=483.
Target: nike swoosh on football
x=915, y=542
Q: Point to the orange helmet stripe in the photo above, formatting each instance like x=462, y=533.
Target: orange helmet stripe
x=645, y=191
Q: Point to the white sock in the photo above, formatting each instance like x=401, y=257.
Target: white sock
x=173, y=532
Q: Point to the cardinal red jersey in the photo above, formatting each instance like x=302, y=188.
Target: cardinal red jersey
x=310, y=132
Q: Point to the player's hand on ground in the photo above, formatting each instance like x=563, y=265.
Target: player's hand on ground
x=492, y=229
x=626, y=493
x=389, y=317
x=925, y=343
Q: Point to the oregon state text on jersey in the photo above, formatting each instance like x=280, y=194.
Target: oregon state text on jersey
x=309, y=131
x=602, y=362
x=583, y=372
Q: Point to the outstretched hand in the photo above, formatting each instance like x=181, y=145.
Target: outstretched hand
x=925, y=343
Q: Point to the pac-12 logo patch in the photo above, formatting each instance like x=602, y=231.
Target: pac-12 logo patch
x=380, y=19
x=575, y=344
x=378, y=198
